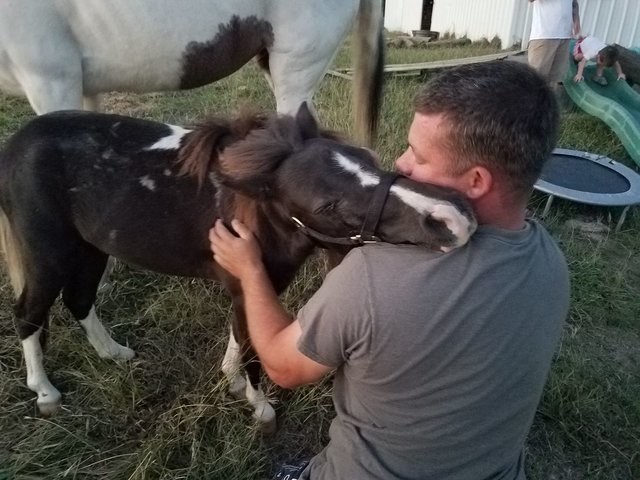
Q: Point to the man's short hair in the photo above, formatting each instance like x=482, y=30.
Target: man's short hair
x=609, y=55
x=501, y=115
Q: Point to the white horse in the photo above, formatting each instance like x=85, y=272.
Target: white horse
x=61, y=54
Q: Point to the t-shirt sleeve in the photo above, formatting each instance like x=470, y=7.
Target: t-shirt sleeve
x=336, y=321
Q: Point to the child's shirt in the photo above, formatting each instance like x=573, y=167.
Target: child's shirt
x=589, y=47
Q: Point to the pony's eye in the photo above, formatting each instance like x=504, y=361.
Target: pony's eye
x=326, y=208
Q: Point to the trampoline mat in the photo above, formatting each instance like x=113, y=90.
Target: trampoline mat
x=584, y=175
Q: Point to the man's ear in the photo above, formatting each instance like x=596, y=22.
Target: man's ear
x=478, y=182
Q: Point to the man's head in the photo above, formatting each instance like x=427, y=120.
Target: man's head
x=488, y=126
x=608, y=56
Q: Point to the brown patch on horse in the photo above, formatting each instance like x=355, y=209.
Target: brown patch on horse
x=235, y=44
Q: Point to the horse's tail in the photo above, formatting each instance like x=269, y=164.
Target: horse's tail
x=369, y=64
x=12, y=253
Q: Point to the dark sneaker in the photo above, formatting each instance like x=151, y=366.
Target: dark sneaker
x=290, y=472
x=600, y=80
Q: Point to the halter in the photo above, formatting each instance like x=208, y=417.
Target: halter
x=371, y=220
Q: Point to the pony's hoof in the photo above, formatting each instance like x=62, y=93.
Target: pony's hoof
x=124, y=353
x=268, y=428
x=119, y=353
x=49, y=405
x=237, y=388
x=266, y=419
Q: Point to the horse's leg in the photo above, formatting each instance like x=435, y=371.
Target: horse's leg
x=105, y=282
x=231, y=364
x=79, y=295
x=299, y=60
x=92, y=102
x=46, y=94
x=31, y=319
x=263, y=412
x=262, y=60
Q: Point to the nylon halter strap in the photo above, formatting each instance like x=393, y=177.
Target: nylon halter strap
x=374, y=213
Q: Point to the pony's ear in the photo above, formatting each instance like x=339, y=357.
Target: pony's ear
x=307, y=122
x=249, y=165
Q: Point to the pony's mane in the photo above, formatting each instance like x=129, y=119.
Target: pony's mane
x=249, y=145
x=209, y=137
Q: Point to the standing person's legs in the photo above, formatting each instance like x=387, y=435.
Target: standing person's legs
x=558, y=71
x=540, y=54
x=560, y=63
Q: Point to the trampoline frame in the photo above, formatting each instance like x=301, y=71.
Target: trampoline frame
x=627, y=198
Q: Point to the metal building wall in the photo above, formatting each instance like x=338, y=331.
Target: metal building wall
x=402, y=15
x=479, y=19
x=613, y=21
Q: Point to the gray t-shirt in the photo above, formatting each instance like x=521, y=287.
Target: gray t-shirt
x=441, y=358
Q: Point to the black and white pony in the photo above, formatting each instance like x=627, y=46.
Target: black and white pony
x=61, y=54
x=76, y=187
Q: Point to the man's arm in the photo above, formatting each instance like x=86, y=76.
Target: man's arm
x=273, y=333
x=576, y=18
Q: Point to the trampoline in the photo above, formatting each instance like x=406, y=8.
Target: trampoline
x=588, y=178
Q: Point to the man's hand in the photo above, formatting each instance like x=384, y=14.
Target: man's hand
x=578, y=78
x=240, y=256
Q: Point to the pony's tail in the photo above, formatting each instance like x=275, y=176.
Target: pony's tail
x=368, y=69
x=13, y=255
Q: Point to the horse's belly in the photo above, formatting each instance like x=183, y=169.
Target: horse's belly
x=144, y=45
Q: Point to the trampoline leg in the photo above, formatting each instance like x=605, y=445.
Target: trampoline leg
x=547, y=206
x=623, y=215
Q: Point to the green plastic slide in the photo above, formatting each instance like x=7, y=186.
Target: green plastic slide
x=617, y=104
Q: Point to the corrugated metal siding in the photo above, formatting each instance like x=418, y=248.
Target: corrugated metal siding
x=613, y=21
x=478, y=19
x=402, y=15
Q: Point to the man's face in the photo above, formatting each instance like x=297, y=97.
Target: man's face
x=427, y=158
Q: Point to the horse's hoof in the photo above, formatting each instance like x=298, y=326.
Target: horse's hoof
x=269, y=427
x=119, y=352
x=49, y=405
x=124, y=353
x=266, y=419
x=237, y=388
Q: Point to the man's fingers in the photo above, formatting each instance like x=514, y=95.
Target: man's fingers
x=241, y=229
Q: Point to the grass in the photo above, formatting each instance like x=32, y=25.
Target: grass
x=166, y=415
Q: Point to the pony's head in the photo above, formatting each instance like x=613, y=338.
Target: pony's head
x=330, y=187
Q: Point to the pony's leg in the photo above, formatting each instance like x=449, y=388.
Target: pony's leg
x=263, y=412
x=31, y=312
x=79, y=295
x=105, y=282
x=231, y=368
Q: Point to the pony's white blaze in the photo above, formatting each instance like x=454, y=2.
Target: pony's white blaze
x=147, y=182
x=171, y=141
x=367, y=179
x=98, y=336
x=37, y=380
x=458, y=224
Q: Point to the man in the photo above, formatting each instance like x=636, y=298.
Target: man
x=440, y=358
x=553, y=24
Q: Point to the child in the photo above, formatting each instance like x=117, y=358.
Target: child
x=588, y=48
